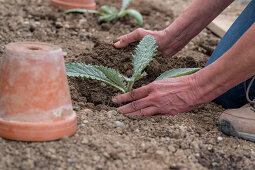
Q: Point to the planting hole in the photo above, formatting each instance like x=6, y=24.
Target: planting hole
x=34, y=48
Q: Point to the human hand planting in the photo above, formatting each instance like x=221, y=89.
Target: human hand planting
x=160, y=36
x=169, y=42
x=179, y=33
x=164, y=97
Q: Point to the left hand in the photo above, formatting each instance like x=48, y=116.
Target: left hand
x=164, y=38
x=165, y=97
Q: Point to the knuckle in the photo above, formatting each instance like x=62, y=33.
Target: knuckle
x=142, y=113
x=155, y=98
x=152, y=87
x=132, y=94
x=124, y=38
x=134, y=105
x=157, y=101
x=139, y=30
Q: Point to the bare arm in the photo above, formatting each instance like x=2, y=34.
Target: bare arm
x=175, y=95
x=192, y=21
x=172, y=39
x=234, y=67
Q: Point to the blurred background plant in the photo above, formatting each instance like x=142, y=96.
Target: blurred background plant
x=111, y=13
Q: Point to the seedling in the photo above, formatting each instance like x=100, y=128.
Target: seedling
x=111, y=13
x=143, y=55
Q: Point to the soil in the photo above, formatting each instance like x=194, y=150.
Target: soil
x=106, y=139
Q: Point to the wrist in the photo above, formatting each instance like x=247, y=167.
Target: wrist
x=206, y=88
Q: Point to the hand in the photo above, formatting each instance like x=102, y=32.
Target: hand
x=167, y=43
x=165, y=97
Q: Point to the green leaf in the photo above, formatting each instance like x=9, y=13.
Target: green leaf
x=112, y=14
x=101, y=73
x=109, y=10
x=125, y=4
x=83, y=11
x=107, y=18
x=135, y=14
x=113, y=75
x=177, y=73
x=143, y=55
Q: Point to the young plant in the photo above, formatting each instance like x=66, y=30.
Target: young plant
x=143, y=55
x=111, y=13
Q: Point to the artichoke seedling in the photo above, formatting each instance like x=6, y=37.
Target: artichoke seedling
x=142, y=57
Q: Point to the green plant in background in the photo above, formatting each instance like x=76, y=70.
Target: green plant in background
x=111, y=13
x=143, y=55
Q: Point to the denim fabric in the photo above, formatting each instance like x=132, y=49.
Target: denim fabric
x=235, y=97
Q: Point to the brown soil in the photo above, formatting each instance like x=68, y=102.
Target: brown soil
x=186, y=141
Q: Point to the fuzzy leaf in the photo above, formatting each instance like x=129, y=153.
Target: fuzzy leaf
x=125, y=4
x=177, y=73
x=101, y=73
x=143, y=55
x=83, y=11
x=113, y=75
x=135, y=14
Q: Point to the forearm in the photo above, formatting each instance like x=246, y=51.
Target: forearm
x=234, y=67
x=193, y=20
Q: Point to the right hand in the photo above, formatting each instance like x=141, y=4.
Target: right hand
x=164, y=97
x=167, y=44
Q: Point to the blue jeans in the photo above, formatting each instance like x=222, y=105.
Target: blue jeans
x=235, y=97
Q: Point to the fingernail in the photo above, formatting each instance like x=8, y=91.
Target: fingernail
x=116, y=40
x=117, y=44
x=114, y=100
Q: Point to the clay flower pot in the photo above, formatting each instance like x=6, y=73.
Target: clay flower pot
x=35, y=102
x=71, y=4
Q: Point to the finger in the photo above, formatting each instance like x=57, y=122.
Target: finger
x=117, y=39
x=148, y=111
x=120, y=37
x=134, y=36
x=135, y=106
x=133, y=95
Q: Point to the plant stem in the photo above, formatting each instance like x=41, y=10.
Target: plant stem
x=130, y=86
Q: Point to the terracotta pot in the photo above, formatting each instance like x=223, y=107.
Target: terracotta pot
x=71, y=4
x=35, y=102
